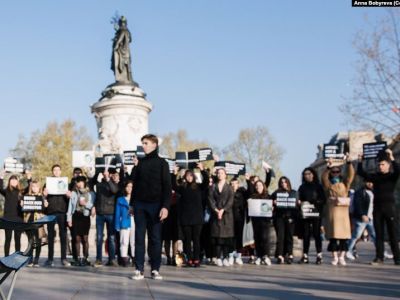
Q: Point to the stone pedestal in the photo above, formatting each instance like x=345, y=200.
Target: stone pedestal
x=122, y=118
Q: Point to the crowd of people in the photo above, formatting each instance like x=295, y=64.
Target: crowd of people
x=208, y=213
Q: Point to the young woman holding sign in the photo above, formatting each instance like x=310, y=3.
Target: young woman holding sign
x=12, y=210
x=286, y=212
x=311, y=193
x=338, y=230
x=261, y=227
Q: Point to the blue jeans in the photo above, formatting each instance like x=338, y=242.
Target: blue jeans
x=147, y=218
x=109, y=220
x=359, y=228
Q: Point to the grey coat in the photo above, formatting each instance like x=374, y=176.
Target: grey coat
x=223, y=228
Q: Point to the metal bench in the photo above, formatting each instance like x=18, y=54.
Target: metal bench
x=13, y=263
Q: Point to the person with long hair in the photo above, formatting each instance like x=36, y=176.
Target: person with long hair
x=124, y=223
x=312, y=192
x=220, y=200
x=285, y=214
x=12, y=210
x=38, y=234
x=78, y=219
x=190, y=212
x=338, y=230
x=261, y=227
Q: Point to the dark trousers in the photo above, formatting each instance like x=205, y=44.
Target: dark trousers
x=62, y=228
x=382, y=215
x=191, y=234
x=333, y=245
x=238, y=225
x=312, y=227
x=205, y=241
x=284, y=236
x=33, y=236
x=17, y=240
x=147, y=219
x=109, y=221
x=261, y=229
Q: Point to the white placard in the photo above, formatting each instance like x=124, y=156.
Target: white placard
x=57, y=185
x=260, y=207
x=82, y=159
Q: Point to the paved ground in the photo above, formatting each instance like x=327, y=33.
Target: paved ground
x=355, y=281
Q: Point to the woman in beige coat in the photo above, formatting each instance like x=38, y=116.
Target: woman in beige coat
x=338, y=229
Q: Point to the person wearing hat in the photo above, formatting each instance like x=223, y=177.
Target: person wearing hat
x=78, y=218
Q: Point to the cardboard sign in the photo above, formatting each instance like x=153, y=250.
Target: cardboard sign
x=284, y=201
x=260, y=207
x=308, y=210
x=373, y=150
x=334, y=151
x=129, y=157
x=189, y=160
x=83, y=159
x=57, y=185
x=32, y=203
x=231, y=168
x=12, y=165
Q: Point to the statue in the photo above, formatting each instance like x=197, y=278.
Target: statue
x=121, y=56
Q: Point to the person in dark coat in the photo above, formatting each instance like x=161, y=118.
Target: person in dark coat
x=311, y=191
x=220, y=199
x=12, y=211
x=284, y=219
x=190, y=212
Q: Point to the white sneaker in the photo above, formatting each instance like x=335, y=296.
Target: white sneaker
x=231, y=260
x=335, y=261
x=387, y=255
x=266, y=261
x=137, y=275
x=156, y=275
x=350, y=255
x=342, y=261
x=239, y=261
x=226, y=263
x=219, y=262
x=257, y=261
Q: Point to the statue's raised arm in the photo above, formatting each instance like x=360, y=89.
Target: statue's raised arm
x=121, y=55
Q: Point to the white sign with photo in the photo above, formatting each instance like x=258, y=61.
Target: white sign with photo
x=82, y=159
x=260, y=207
x=57, y=185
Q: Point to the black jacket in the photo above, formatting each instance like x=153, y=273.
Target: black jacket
x=152, y=181
x=106, y=196
x=12, y=209
x=190, y=203
x=361, y=203
x=313, y=193
x=280, y=212
x=239, y=204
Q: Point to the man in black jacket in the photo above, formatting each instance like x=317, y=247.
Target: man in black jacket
x=58, y=206
x=384, y=204
x=104, y=208
x=151, y=199
x=363, y=216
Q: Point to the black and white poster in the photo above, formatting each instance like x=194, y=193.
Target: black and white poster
x=231, y=168
x=373, y=150
x=129, y=157
x=12, y=165
x=57, y=185
x=140, y=152
x=113, y=161
x=308, y=210
x=83, y=159
x=260, y=208
x=283, y=200
x=189, y=160
x=103, y=163
x=32, y=203
x=335, y=151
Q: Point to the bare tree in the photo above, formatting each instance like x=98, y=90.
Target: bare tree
x=375, y=103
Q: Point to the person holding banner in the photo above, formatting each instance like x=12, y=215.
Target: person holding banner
x=220, y=199
x=78, y=219
x=38, y=234
x=311, y=193
x=58, y=205
x=262, y=227
x=285, y=214
x=190, y=212
x=12, y=210
x=338, y=231
x=150, y=200
x=384, y=208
